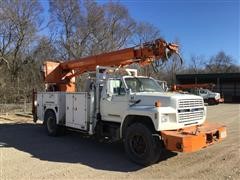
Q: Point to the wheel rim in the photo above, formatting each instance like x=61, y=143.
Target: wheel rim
x=50, y=124
x=138, y=145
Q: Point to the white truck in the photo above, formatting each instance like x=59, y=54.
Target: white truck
x=120, y=105
x=208, y=96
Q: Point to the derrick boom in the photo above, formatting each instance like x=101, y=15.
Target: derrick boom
x=62, y=74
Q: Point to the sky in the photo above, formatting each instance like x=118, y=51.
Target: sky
x=203, y=27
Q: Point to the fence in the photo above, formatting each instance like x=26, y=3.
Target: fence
x=21, y=107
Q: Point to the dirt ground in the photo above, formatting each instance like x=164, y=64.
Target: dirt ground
x=26, y=152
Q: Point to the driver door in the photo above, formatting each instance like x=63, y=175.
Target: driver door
x=114, y=101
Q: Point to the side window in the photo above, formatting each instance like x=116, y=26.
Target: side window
x=116, y=87
x=203, y=92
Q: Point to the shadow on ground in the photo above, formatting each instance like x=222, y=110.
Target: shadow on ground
x=71, y=148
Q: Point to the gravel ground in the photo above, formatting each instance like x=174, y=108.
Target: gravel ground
x=26, y=152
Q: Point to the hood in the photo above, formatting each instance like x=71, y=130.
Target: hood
x=216, y=95
x=166, y=98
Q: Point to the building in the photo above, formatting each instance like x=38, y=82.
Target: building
x=227, y=84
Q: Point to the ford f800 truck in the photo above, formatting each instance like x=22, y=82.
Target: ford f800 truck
x=117, y=104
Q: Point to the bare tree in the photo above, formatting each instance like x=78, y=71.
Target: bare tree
x=173, y=66
x=45, y=50
x=145, y=32
x=120, y=25
x=65, y=22
x=91, y=29
x=220, y=63
x=19, y=23
x=196, y=64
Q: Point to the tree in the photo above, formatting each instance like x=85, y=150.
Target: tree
x=19, y=24
x=45, y=50
x=145, y=32
x=196, y=64
x=19, y=21
x=173, y=66
x=87, y=28
x=65, y=23
x=116, y=29
x=220, y=63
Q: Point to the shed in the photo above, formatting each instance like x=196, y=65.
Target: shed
x=227, y=84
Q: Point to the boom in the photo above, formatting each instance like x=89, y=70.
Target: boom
x=61, y=74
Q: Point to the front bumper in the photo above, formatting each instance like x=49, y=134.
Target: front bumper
x=193, y=138
x=221, y=100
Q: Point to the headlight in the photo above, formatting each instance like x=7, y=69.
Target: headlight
x=164, y=118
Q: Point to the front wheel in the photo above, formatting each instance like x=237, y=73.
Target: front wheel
x=140, y=146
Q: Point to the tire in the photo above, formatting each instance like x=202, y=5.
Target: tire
x=140, y=145
x=50, y=123
x=212, y=102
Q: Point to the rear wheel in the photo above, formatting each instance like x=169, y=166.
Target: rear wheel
x=140, y=145
x=50, y=123
x=212, y=102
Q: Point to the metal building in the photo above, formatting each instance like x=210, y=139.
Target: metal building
x=228, y=84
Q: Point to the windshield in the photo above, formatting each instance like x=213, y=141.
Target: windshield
x=205, y=91
x=142, y=84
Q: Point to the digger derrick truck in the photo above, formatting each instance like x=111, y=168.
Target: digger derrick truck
x=119, y=105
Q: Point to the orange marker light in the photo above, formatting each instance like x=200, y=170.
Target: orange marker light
x=157, y=103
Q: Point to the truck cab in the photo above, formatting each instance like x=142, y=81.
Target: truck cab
x=139, y=95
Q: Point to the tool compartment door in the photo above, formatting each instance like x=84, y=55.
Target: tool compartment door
x=40, y=106
x=76, y=110
x=80, y=111
x=69, y=109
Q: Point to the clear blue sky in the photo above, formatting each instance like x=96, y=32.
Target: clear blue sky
x=203, y=27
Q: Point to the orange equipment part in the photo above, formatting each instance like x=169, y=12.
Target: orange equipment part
x=193, y=138
x=61, y=73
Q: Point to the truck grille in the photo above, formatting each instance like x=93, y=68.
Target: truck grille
x=187, y=117
x=190, y=110
x=190, y=103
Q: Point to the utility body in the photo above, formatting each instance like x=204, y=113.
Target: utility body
x=119, y=105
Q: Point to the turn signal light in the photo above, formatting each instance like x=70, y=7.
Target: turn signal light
x=157, y=103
